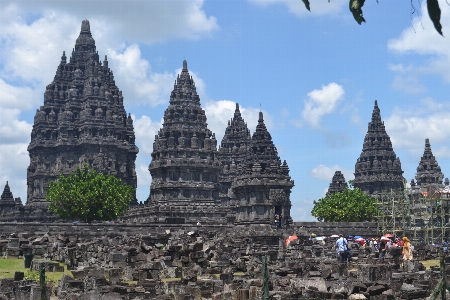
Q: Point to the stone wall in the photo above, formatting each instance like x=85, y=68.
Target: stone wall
x=84, y=230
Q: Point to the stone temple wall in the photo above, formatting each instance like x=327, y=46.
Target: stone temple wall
x=112, y=230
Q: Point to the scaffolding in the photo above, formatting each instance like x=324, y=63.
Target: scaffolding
x=422, y=214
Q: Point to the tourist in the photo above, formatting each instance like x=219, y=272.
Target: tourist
x=198, y=223
x=382, y=249
x=445, y=246
x=341, y=246
x=407, y=251
x=277, y=221
x=349, y=249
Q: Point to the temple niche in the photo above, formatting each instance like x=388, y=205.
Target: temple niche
x=428, y=171
x=378, y=168
x=185, y=165
x=262, y=186
x=83, y=120
x=338, y=183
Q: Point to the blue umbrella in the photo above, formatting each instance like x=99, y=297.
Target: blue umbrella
x=357, y=237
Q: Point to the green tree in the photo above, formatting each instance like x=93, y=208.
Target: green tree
x=355, y=6
x=88, y=195
x=350, y=205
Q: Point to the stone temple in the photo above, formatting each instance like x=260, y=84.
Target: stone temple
x=232, y=153
x=184, y=167
x=83, y=120
x=244, y=182
x=338, y=183
x=7, y=200
x=262, y=186
x=428, y=171
x=378, y=168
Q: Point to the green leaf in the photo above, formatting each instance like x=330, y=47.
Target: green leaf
x=307, y=4
x=434, y=11
x=355, y=8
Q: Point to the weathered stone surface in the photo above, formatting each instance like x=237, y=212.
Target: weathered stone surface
x=338, y=183
x=7, y=200
x=263, y=185
x=377, y=168
x=428, y=171
x=83, y=120
x=184, y=167
x=232, y=154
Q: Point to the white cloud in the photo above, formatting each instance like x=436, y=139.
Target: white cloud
x=12, y=130
x=132, y=21
x=325, y=173
x=145, y=130
x=408, y=128
x=14, y=97
x=422, y=39
x=138, y=82
x=219, y=112
x=321, y=102
x=298, y=8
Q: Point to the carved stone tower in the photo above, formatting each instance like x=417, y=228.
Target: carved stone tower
x=232, y=153
x=263, y=185
x=338, y=183
x=428, y=171
x=378, y=168
x=7, y=201
x=184, y=166
x=83, y=120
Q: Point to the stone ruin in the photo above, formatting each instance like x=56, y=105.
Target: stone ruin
x=83, y=120
x=338, y=183
x=7, y=200
x=428, y=171
x=185, y=166
x=206, y=263
x=378, y=168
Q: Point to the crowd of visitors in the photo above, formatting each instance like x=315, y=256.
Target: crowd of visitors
x=380, y=245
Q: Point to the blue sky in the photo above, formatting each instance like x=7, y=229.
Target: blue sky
x=315, y=74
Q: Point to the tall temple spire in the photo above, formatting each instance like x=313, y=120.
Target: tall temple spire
x=82, y=113
x=184, y=166
x=232, y=153
x=428, y=171
x=378, y=168
x=263, y=185
x=7, y=200
x=338, y=183
x=7, y=192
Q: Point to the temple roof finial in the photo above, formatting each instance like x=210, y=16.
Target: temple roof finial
x=261, y=116
x=184, y=65
x=85, y=27
x=376, y=103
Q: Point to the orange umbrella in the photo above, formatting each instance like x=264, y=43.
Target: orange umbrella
x=290, y=239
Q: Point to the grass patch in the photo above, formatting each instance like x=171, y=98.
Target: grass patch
x=430, y=263
x=8, y=266
x=171, y=279
x=238, y=274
